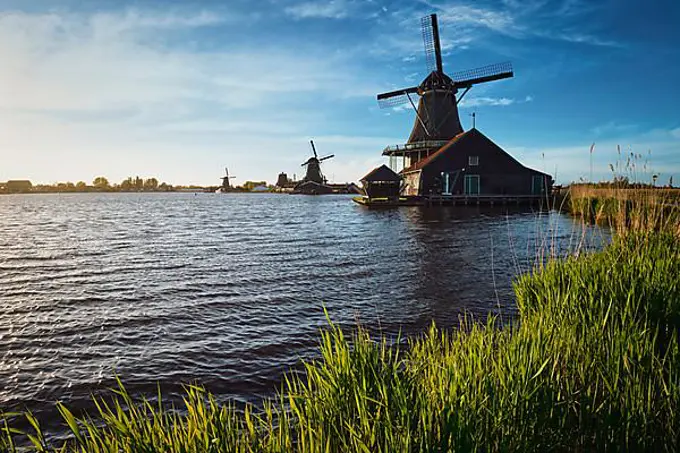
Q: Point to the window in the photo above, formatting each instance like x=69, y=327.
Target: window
x=472, y=185
x=537, y=185
x=473, y=161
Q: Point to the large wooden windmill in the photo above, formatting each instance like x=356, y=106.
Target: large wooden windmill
x=439, y=158
x=437, y=118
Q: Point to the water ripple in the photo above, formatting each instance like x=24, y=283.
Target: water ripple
x=229, y=290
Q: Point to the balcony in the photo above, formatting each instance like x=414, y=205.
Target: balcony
x=408, y=148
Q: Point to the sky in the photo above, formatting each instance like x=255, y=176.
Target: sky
x=178, y=90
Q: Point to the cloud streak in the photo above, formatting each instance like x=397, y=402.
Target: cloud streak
x=334, y=9
x=492, y=101
x=521, y=20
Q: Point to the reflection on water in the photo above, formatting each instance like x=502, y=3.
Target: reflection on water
x=228, y=290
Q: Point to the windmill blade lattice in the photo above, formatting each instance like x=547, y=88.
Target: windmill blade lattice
x=395, y=98
x=484, y=74
x=394, y=101
x=428, y=40
x=327, y=157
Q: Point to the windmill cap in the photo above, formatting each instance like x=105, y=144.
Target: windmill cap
x=437, y=80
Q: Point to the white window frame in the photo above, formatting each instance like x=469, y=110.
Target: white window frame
x=473, y=161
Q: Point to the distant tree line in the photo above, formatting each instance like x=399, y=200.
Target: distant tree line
x=130, y=184
x=102, y=184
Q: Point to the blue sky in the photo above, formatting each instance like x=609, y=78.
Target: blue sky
x=180, y=89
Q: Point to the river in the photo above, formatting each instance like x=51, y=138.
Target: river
x=228, y=290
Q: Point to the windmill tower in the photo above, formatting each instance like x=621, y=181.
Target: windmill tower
x=437, y=119
x=313, y=165
x=226, y=185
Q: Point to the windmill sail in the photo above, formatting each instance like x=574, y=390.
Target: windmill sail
x=484, y=74
x=433, y=51
x=394, y=98
x=313, y=149
x=437, y=116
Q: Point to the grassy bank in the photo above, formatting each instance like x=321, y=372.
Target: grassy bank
x=624, y=207
x=592, y=364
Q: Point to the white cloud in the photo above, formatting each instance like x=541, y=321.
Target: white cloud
x=492, y=101
x=333, y=9
x=543, y=19
x=82, y=95
x=133, y=19
x=412, y=77
x=62, y=63
x=578, y=38
x=499, y=21
x=676, y=132
x=612, y=128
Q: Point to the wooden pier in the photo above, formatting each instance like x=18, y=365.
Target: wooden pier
x=454, y=200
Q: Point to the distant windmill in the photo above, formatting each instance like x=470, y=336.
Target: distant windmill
x=437, y=112
x=226, y=185
x=313, y=165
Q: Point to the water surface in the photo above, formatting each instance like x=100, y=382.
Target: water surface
x=228, y=290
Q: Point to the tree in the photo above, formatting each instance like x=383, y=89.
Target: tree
x=81, y=186
x=100, y=183
x=151, y=184
x=127, y=184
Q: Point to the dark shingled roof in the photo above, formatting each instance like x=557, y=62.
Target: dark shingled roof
x=423, y=162
x=381, y=173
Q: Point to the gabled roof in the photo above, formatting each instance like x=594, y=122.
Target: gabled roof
x=423, y=162
x=381, y=173
x=472, y=134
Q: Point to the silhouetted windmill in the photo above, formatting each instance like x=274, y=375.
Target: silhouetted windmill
x=313, y=165
x=226, y=185
x=437, y=112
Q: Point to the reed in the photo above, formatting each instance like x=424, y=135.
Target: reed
x=591, y=364
x=625, y=208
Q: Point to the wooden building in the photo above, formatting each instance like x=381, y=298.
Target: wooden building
x=382, y=182
x=472, y=164
x=16, y=186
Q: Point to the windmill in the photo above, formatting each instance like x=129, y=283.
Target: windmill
x=226, y=185
x=313, y=165
x=437, y=118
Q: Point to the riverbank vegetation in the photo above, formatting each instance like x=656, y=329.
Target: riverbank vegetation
x=130, y=184
x=624, y=207
x=99, y=184
x=591, y=364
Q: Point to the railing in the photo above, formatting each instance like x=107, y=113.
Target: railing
x=427, y=144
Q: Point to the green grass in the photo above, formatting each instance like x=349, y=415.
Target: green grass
x=591, y=364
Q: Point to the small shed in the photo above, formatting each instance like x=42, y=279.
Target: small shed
x=17, y=186
x=382, y=182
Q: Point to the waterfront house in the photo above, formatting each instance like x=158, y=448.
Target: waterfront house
x=471, y=164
